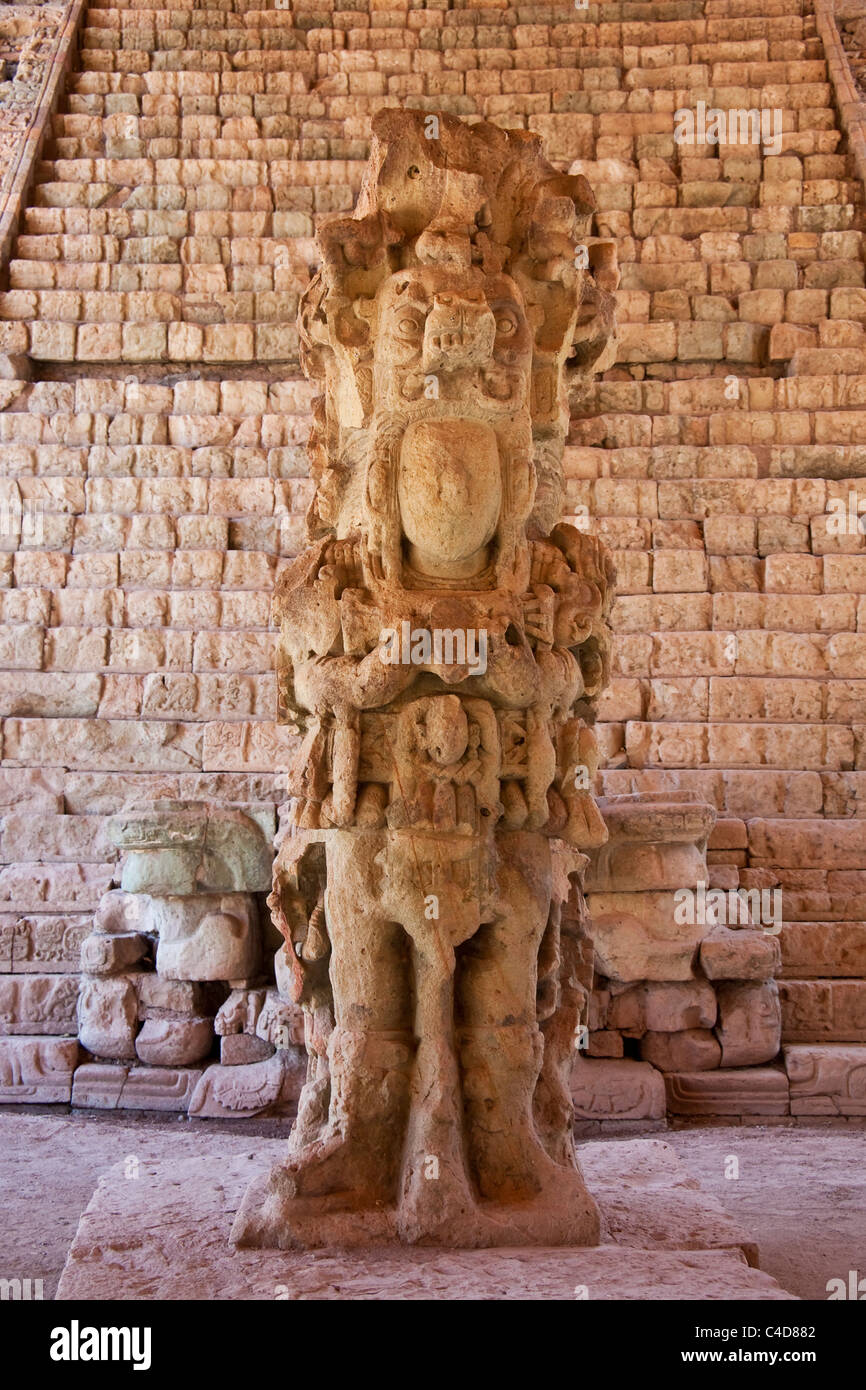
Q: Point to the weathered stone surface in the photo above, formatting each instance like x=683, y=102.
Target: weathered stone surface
x=104, y=954
x=37, y=1070
x=241, y=1091
x=159, y=1088
x=653, y=845
x=822, y=950
x=439, y=659
x=740, y=955
x=693, y=1049
x=98, y=1085
x=108, y=1016
x=636, y=936
x=38, y=1004
x=42, y=943
x=238, y=1049
x=750, y=1023
x=610, y=1090
x=743, y=1091
x=664, y=1008
x=174, y=1042
x=177, y=848
x=826, y=1079
x=206, y=936
x=158, y=996
x=823, y=1010
x=186, y=1206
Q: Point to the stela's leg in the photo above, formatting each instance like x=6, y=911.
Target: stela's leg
x=501, y=1043
x=371, y=1047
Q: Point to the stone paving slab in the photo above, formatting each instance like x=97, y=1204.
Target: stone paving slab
x=164, y=1235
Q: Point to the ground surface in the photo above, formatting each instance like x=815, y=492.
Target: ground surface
x=800, y=1192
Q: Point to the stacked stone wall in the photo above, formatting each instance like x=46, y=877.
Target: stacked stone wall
x=154, y=471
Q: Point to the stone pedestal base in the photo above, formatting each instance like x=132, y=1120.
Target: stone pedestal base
x=166, y=1236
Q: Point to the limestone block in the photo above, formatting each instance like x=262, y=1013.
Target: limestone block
x=750, y=1023
x=174, y=1042
x=98, y=1085
x=653, y=844
x=170, y=1224
x=616, y=1090
x=181, y=848
x=239, y=1092
x=826, y=1079
x=604, y=1042
x=42, y=943
x=37, y=1070
x=739, y=955
x=104, y=954
x=693, y=1049
x=158, y=997
x=823, y=1010
x=280, y=1023
x=38, y=1004
x=664, y=1008
x=745, y=1091
x=107, y=1016
x=636, y=936
x=158, y=1088
x=206, y=937
x=823, y=949
x=239, y=1049
x=53, y=888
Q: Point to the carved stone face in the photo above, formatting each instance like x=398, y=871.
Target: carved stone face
x=452, y=338
x=449, y=490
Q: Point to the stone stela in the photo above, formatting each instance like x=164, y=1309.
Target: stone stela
x=429, y=888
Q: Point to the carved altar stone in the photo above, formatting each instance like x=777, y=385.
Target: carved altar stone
x=441, y=649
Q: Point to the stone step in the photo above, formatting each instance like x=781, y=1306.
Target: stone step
x=684, y=698
x=823, y=1011
x=708, y=394
x=668, y=462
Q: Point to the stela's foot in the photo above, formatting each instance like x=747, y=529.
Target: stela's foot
x=338, y=1164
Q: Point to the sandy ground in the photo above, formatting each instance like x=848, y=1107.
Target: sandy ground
x=801, y=1192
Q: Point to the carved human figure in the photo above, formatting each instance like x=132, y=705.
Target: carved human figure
x=442, y=654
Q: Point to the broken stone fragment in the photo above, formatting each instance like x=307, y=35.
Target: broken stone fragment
x=239, y=1013
x=120, y=912
x=238, y=1092
x=826, y=1079
x=739, y=955
x=158, y=996
x=178, y=848
x=750, y=1023
x=622, y=1090
x=239, y=1049
x=103, y=954
x=280, y=1023
x=664, y=1008
x=175, y=1042
x=37, y=1070
x=208, y=936
x=108, y=1017
x=693, y=1049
